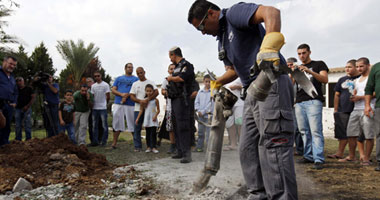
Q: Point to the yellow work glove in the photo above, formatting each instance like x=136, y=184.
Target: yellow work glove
x=214, y=86
x=270, y=47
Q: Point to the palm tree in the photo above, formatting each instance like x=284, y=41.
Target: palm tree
x=77, y=57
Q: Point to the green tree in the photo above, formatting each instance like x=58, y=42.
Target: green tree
x=23, y=64
x=6, y=11
x=40, y=61
x=77, y=56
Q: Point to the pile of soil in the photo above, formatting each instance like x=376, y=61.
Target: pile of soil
x=50, y=161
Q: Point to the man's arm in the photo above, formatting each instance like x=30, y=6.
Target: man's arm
x=108, y=97
x=336, y=101
x=2, y=119
x=27, y=106
x=270, y=16
x=175, y=79
x=367, y=107
x=228, y=76
x=52, y=88
x=134, y=99
x=321, y=76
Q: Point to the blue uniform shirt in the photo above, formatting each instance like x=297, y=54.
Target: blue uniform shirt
x=50, y=96
x=8, y=88
x=124, y=84
x=241, y=41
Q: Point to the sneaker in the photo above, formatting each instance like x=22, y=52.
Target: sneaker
x=304, y=161
x=378, y=167
x=148, y=150
x=177, y=156
x=155, y=151
x=318, y=166
x=198, y=150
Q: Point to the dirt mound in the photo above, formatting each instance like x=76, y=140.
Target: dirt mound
x=50, y=161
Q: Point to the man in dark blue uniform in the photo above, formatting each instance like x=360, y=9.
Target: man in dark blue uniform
x=180, y=83
x=8, y=95
x=266, y=152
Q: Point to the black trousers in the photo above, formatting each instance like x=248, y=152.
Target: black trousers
x=182, y=129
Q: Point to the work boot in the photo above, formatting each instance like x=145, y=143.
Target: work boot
x=172, y=149
x=378, y=167
x=187, y=157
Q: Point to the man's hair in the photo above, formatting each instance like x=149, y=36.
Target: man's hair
x=10, y=57
x=206, y=76
x=97, y=72
x=304, y=46
x=176, y=51
x=364, y=60
x=89, y=79
x=291, y=60
x=68, y=91
x=84, y=85
x=19, y=78
x=352, y=62
x=126, y=65
x=199, y=9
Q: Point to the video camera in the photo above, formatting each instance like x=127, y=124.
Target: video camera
x=40, y=79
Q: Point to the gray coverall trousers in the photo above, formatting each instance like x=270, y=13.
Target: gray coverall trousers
x=266, y=144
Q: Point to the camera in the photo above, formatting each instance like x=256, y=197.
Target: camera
x=40, y=79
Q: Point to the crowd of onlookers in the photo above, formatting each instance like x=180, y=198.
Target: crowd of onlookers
x=135, y=104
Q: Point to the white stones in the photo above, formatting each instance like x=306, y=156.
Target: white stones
x=21, y=185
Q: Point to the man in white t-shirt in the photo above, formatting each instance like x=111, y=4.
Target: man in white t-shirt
x=101, y=92
x=137, y=95
x=358, y=123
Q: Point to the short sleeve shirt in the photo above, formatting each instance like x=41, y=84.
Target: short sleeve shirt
x=124, y=84
x=240, y=40
x=345, y=86
x=138, y=89
x=67, y=110
x=50, y=96
x=24, y=97
x=99, y=91
x=315, y=66
x=81, y=103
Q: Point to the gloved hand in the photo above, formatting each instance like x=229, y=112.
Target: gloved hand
x=270, y=47
x=214, y=86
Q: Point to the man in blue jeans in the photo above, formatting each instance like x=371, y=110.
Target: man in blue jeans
x=8, y=96
x=137, y=95
x=23, y=109
x=309, y=109
x=101, y=91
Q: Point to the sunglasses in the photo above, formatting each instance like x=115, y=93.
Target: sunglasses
x=201, y=26
x=97, y=76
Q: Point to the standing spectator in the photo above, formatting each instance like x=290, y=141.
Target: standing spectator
x=168, y=112
x=180, y=85
x=203, y=106
x=309, y=109
x=51, y=101
x=90, y=82
x=291, y=62
x=358, y=123
x=343, y=106
x=137, y=94
x=83, y=102
x=194, y=91
x=373, y=86
x=123, y=106
x=8, y=96
x=234, y=122
x=66, y=115
x=23, y=112
x=101, y=92
x=150, y=123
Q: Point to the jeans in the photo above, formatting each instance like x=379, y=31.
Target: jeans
x=203, y=132
x=70, y=131
x=23, y=118
x=95, y=118
x=151, y=137
x=309, y=121
x=4, y=132
x=51, y=119
x=137, y=132
x=297, y=137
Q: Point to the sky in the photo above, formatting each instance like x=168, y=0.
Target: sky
x=143, y=31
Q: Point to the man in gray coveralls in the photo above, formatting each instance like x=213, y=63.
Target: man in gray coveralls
x=266, y=152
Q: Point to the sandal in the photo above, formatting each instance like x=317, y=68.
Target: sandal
x=334, y=156
x=346, y=159
x=365, y=163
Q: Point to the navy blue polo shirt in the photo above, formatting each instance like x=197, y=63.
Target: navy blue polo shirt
x=50, y=96
x=8, y=88
x=242, y=41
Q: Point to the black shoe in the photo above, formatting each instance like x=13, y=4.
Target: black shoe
x=318, y=166
x=177, y=156
x=92, y=145
x=304, y=161
x=171, y=149
x=185, y=160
